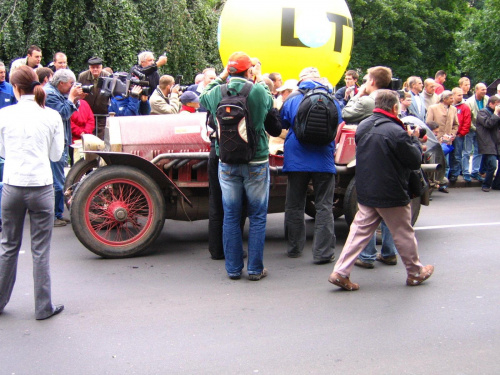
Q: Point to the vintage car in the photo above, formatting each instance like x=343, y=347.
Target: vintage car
x=153, y=168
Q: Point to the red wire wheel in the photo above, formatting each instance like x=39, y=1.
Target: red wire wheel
x=117, y=211
x=79, y=171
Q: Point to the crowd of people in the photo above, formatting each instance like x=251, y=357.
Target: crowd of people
x=465, y=124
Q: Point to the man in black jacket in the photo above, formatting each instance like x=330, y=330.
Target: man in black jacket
x=386, y=153
x=488, y=140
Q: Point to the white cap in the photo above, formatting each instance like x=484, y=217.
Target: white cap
x=290, y=84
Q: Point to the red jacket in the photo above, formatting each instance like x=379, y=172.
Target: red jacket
x=464, y=119
x=82, y=121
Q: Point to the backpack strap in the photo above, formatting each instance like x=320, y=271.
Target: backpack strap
x=223, y=90
x=245, y=91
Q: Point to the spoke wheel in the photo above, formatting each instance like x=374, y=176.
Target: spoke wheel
x=78, y=172
x=117, y=212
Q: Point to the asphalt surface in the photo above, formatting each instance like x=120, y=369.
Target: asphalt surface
x=175, y=311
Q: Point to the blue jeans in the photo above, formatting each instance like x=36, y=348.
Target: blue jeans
x=237, y=180
x=369, y=253
x=456, y=159
x=59, y=179
x=490, y=165
x=471, y=148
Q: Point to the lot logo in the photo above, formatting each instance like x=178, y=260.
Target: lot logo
x=289, y=35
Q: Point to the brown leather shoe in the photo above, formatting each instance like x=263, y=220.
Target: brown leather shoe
x=343, y=282
x=360, y=263
x=419, y=278
x=390, y=261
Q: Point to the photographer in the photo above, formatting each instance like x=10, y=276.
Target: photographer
x=386, y=153
x=135, y=104
x=147, y=66
x=97, y=101
x=165, y=98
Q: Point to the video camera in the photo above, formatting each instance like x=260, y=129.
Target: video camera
x=119, y=84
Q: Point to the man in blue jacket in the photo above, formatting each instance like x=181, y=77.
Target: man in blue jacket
x=62, y=96
x=302, y=163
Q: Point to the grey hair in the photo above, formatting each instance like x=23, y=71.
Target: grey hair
x=412, y=80
x=144, y=55
x=2, y=65
x=62, y=75
x=445, y=95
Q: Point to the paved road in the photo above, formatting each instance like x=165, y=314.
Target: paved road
x=175, y=311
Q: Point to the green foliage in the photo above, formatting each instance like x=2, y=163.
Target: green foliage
x=414, y=37
x=480, y=45
x=115, y=30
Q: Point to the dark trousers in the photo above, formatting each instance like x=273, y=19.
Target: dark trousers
x=216, y=212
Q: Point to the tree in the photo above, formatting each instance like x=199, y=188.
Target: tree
x=480, y=45
x=415, y=37
x=115, y=30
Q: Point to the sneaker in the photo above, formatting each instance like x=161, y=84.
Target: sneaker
x=485, y=189
x=325, y=261
x=419, y=278
x=362, y=264
x=390, y=261
x=477, y=177
x=343, y=282
x=257, y=276
x=59, y=223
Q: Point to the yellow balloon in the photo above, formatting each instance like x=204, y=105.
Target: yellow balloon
x=289, y=35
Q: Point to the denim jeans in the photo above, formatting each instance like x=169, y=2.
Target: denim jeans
x=369, y=253
x=59, y=179
x=490, y=165
x=237, y=181
x=456, y=159
x=471, y=148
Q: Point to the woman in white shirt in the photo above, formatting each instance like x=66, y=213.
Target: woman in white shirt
x=30, y=136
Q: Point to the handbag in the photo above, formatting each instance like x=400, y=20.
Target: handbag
x=417, y=183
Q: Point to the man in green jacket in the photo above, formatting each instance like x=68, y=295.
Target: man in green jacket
x=251, y=179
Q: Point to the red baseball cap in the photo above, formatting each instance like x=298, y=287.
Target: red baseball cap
x=239, y=62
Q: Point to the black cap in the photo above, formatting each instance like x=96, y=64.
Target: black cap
x=95, y=61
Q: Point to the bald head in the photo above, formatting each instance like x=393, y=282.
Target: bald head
x=480, y=91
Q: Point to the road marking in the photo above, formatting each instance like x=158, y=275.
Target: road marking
x=456, y=226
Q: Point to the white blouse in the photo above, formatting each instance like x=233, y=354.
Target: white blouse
x=30, y=137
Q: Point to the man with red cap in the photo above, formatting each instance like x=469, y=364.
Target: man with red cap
x=250, y=180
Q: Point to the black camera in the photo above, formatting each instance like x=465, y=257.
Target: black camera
x=396, y=84
x=119, y=84
x=422, y=133
x=87, y=89
x=178, y=80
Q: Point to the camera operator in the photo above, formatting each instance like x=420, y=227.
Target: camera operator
x=165, y=98
x=147, y=66
x=97, y=102
x=134, y=104
x=386, y=153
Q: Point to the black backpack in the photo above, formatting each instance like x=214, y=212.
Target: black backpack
x=235, y=130
x=317, y=117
